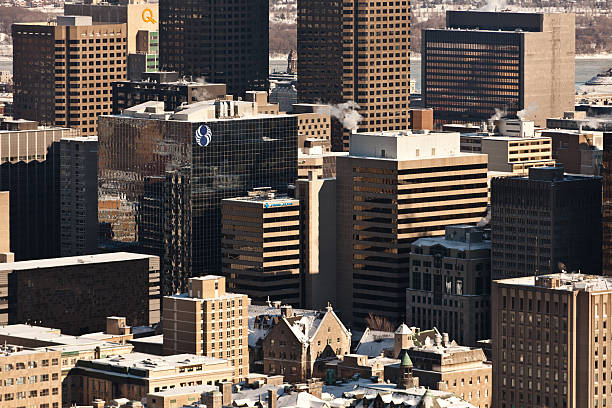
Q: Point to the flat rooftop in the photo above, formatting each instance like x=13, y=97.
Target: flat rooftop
x=564, y=282
x=72, y=260
x=451, y=244
x=151, y=362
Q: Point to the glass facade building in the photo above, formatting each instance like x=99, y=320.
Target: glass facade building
x=160, y=191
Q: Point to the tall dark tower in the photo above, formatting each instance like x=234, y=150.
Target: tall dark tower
x=220, y=41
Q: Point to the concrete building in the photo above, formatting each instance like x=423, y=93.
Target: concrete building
x=260, y=246
x=314, y=158
x=233, y=50
x=292, y=341
x=137, y=15
x=483, y=61
x=5, y=232
x=146, y=58
x=78, y=196
x=393, y=188
x=347, y=55
x=550, y=341
x=134, y=376
x=168, y=87
x=161, y=191
x=422, y=119
x=450, y=284
x=82, y=55
x=314, y=124
x=579, y=152
x=76, y=294
x=29, y=171
x=30, y=375
x=208, y=321
x=440, y=364
x=540, y=221
x=606, y=170
x=317, y=198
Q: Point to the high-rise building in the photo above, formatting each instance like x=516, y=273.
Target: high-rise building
x=606, y=173
x=260, y=246
x=223, y=42
x=360, y=52
x=483, y=61
x=78, y=181
x=544, y=220
x=5, y=231
x=63, y=71
x=550, y=341
x=208, y=321
x=76, y=294
x=393, y=188
x=162, y=176
x=146, y=58
x=450, y=284
x=29, y=170
x=317, y=240
x=578, y=151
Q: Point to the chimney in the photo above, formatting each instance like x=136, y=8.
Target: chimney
x=286, y=311
x=438, y=340
x=226, y=391
x=272, y=398
x=98, y=403
x=445, y=339
x=213, y=399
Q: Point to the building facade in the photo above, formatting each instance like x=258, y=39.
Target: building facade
x=544, y=223
x=76, y=294
x=78, y=196
x=450, y=284
x=359, y=52
x=579, y=152
x=483, y=61
x=29, y=171
x=392, y=189
x=232, y=50
x=606, y=173
x=5, y=231
x=208, y=321
x=260, y=246
x=51, y=60
x=163, y=175
x=550, y=341
x=30, y=375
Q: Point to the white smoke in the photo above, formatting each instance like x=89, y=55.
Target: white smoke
x=347, y=113
x=499, y=113
x=532, y=107
x=494, y=5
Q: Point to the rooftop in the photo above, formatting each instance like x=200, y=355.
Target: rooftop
x=72, y=260
x=151, y=362
x=201, y=389
x=565, y=282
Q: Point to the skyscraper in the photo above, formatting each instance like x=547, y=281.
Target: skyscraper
x=221, y=41
x=162, y=176
x=393, y=188
x=550, y=341
x=484, y=61
x=360, y=52
x=63, y=71
x=544, y=219
x=606, y=172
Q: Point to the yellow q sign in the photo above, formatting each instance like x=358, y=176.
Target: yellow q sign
x=147, y=16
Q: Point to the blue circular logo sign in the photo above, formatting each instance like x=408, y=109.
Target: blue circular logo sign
x=203, y=136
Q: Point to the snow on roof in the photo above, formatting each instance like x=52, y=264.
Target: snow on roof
x=374, y=342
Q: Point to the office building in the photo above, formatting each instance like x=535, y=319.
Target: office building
x=293, y=340
x=393, y=188
x=67, y=82
x=168, y=87
x=161, y=189
x=313, y=158
x=578, y=120
x=440, y=364
x=606, y=173
x=138, y=16
x=317, y=198
x=134, y=376
x=579, y=152
x=5, y=231
x=483, y=61
x=550, y=341
x=29, y=171
x=32, y=375
x=232, y=50
x=314, y=123
x=260, y=246
x=78, y=196
x=208, y=321
x=543, y=220
x=146, y=58
x=76, y=294
x=450, y=284
x=360, y=52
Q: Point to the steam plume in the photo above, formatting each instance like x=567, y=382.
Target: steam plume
x=347, y=113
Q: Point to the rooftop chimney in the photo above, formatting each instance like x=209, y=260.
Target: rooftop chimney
x=272, y=398
x=287, y=311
